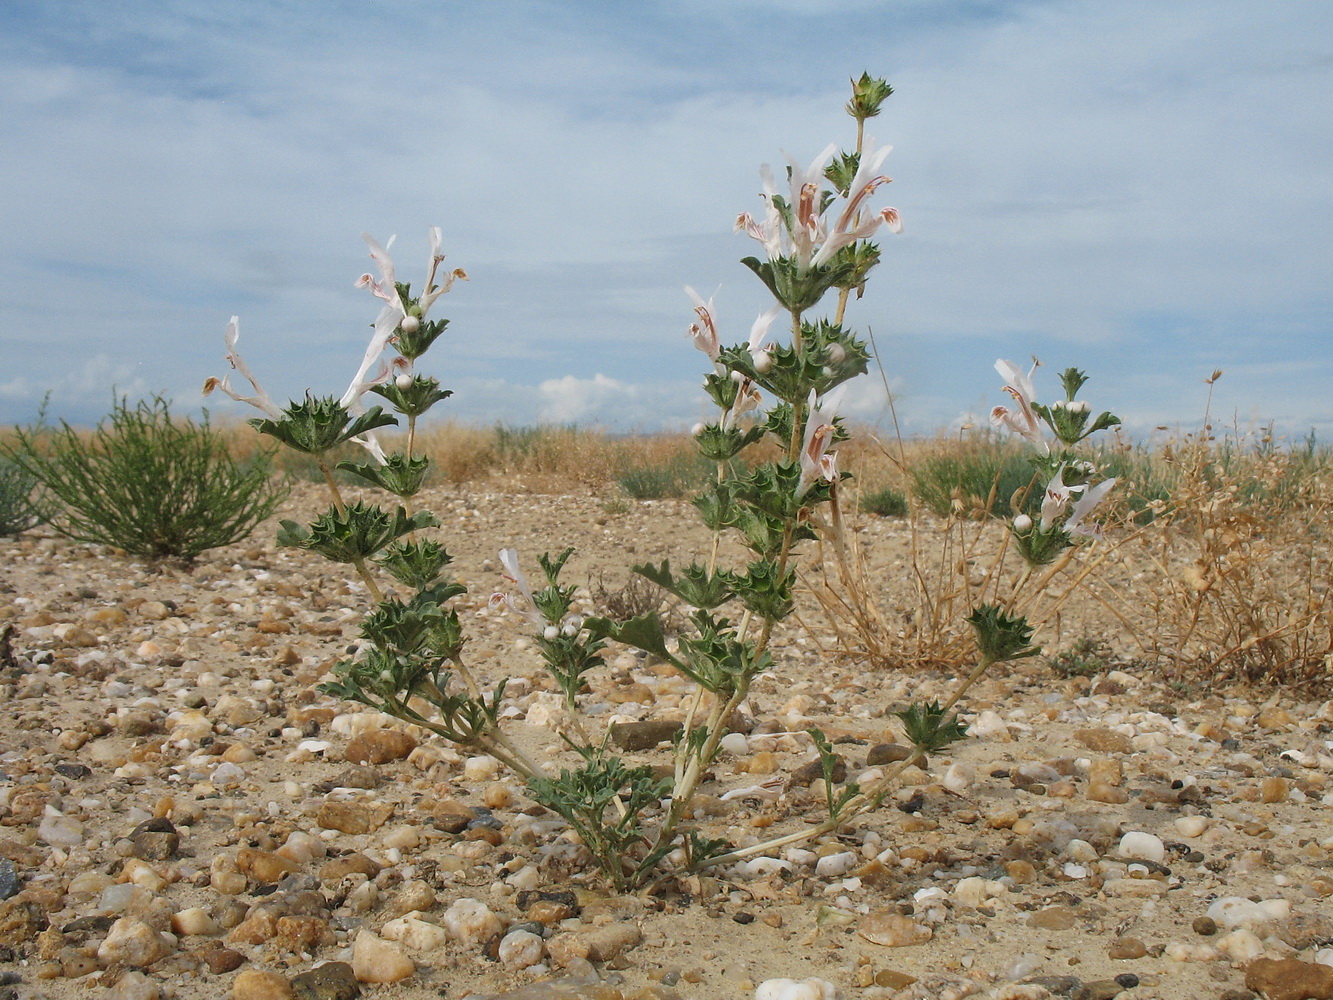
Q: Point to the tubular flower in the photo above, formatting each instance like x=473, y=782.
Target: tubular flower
x=704, y=332
x=509, y=559
x=1084, y=506
x=1056, y=498
x=387, y=287
x=806, y=234
x=260, y=400
x=1023, y=420
x=816, y=463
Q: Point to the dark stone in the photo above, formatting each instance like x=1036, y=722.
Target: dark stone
x=88, y=925
x=1099, y=989
x=152, y=845
x=812, y=771
x=527, y=897
x=9, y=879
x=888, y=753
x=743, y=917
x=1127, y=980
x=1060, y=986
x=643, y=735
x=331, y=981
x=220, y=960
x=74, y=771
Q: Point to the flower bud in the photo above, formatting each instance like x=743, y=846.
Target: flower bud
x=762, y=361
x=403, y=381
x=551, y=632
x=1022, y=523
x=1078, y=406
x=1059, y=404
x=697, y=429
x=410, y=324
x=836, y=354
x=737, y=377
x=571, y=630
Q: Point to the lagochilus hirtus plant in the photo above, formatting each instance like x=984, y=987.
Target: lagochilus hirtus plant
x=410, y=661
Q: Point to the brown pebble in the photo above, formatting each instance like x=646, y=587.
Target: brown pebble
x=380, y=746
x=220, y=960
x=349, y=864
x=354, y=817
x=1204, y=926
x=1126, y=948
x=257, y=984
x=264, y=866
x=1289, y=979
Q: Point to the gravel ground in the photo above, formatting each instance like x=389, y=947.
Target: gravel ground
x=183, y=815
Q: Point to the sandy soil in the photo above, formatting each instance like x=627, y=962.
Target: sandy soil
x=187, y=694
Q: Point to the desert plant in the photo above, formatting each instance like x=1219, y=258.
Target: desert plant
x=148, y=483
x=1083, y=658
x=974, y=479
x=886, y=502
x=676, y=477
x=18, y=510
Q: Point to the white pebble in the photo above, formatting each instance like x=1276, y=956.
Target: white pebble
x=1241, y=946
x=1237, y=911
x=735, y=743
x=1146, y=846
x=1190, y=827
x=959, y=777
x=836, y=864
x=790, y=989
x=520, y=950
x=483, y=768
x=471, y=922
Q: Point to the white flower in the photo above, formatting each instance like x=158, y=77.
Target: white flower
x=260, y=400
x=704, y=332
x=387, y=288
x=509, y=559
x=1022, y=420
x=1084, y=506
x=816, y=463
x=1056, y=498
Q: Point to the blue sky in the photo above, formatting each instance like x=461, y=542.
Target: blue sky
x=1139, y=189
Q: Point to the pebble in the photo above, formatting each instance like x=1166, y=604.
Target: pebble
x=471, y=922
x=330, y=981
x=414, y=933
x=60, y=831
x=375, y=960
x=892, y=929
x=258, y=984
x=353, y=818
x=521, y=949
x=791, y=989
x=1289, y=979
x=380, y=746
x=132, y=942
x=9, y=879
x=134, y=986
x=600, y=944
x=1147, y=846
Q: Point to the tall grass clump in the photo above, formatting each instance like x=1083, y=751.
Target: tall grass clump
x=144, y=481
x=18, y=509
x=678, y=476
x=973, y=478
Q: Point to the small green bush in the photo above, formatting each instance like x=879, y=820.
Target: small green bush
x=675, y=478
x=887, y=502
x=982, y=479
x=146, y=483
x=1085, y=658
x=18, y=512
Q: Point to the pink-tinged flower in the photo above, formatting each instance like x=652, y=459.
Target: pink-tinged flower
x=1084, y=506
x=1023, y=420
x=1056, y=498
x=260, y=400
x=759, y=351
x=509, y=559
x=816, y=463
x=747, y=399
x=704, y=332
x=850, y=226
x=386, y=287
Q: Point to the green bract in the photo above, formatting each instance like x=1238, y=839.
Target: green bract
x=1001, y=637
x=417, y=398
x=357, y=532
x=415, y=563
x=399, y=475
x=695, y=586
x=319, y=423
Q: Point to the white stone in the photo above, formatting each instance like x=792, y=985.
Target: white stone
x=735, y=743
x=415, y=934
x=958, y=777
x=988, y=723
x=520, y=950
x=836, y=864
x=1080, y=850
x=1241, y=946
x=790, y=989
x=970, y=891
x=1146, y=846
x=132, y=942
x=60, y=831
x=1237, y=911
x=194, y=920
x=471, y=922
x=761, y=867
x=375, y=960
x=482, y=768
x=1190, y=827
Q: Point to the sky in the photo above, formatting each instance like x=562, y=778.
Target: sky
x=1142, y=190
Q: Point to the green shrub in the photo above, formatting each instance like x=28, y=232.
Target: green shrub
x=887, y=502
x=146, y=483
x=1085, y=658
x=18, y=512
x=982, y=479
x=674, y=478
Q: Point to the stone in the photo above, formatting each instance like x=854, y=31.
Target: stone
x=1289, y=979
x=330, y=981
x=471, y=922
x=264, y=866
x=220, y=960
x=193, y=921
x=1144, y=846
x=9, y=879
x=354, y=817
x=132, y=942
x=887, y=753
x=60, y=831
x=349, y=864
x=892, y=930
x=415, y=896
x=375, y=960
x=1126, y=948
x=414, y=933
x=302, y=934
x=791, y=989
x=1098, y=989
x=134, y=986
x=1054, y=918
x=600, y=944
x=1104, y=740
x=521, y=949
x=643, y=735
x=381, y=746
x=258, y=984
x=1309, y=930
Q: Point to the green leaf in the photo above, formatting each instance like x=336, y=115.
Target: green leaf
x=399, y=475
x=644, y=632
x=359, y=532
x=928, y=728
x=414, y=400
x=319, y=423
x=695, y=586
